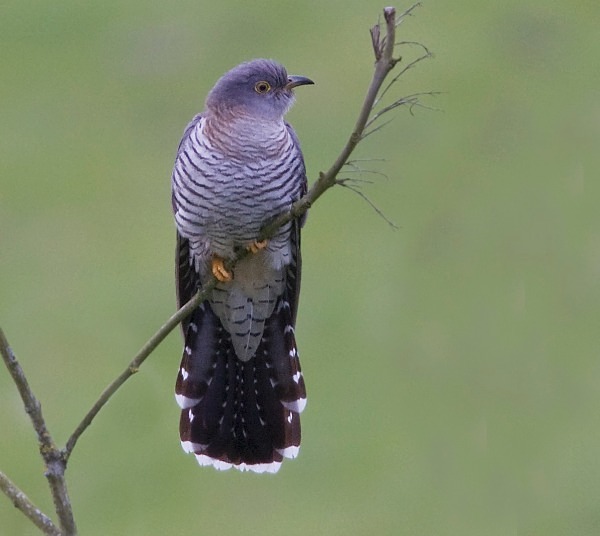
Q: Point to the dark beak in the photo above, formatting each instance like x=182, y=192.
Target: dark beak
x=294, y=81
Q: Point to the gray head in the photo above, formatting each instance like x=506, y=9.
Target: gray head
x=258, y=88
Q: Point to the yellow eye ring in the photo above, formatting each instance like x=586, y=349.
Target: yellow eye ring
x=262, y=87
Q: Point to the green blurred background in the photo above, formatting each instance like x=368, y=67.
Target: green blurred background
x=452, y=365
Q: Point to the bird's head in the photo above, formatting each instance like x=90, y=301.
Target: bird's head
x=259, y=88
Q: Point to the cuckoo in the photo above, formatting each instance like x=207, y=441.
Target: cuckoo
x=239, y=165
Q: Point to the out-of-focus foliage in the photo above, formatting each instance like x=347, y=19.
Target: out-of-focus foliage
x=452, y=365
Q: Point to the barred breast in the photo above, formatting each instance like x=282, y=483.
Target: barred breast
x=230, y=178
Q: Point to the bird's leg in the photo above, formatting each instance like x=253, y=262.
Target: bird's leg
x=256, y=246
x=219, y=271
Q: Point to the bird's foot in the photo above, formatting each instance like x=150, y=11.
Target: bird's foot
x=256, y=246
x=219, y=271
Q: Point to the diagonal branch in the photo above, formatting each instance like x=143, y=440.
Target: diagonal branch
x=22, y=502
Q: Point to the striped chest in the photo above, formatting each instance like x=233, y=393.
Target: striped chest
x=230, y=178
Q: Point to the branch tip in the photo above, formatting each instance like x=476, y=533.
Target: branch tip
x=389, y=13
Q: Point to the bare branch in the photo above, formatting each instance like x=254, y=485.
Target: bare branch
x=22, y=502
x=375, y=40
x=32, y=406
x=355, y=168
x=377, y=128
x=350, y=162
x=410, y=100
x=348, y=183
x=55, y=465
x=408, y=66
x=407, y=13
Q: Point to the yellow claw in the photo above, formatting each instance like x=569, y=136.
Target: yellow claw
x=219, y=270
x=256, y=246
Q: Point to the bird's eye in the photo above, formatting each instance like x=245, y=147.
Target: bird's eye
x=262, y=87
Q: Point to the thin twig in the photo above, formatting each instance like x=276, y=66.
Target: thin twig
x=350, y=162
x=377, y=128
x=407, y=13
x=355, y=180
x=411, y=100
x=347, y=183
x=408, y=66
x=22, y=502
x=55, y=465
x=354, y=168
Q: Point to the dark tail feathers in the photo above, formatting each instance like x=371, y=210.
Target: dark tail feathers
x=236, y=413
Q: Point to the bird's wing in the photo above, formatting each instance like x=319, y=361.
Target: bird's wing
x=188, y=129
x=294, y=269
x=187, y=279
x=186, y=134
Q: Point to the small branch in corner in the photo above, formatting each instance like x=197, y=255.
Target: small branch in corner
x=22, y=502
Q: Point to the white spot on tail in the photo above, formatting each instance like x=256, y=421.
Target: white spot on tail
x=204, y=460
x=272, y=467
x=184, y=374
x=296, y=377
x=293, y=353
x=297, y=406
x=191, y=415
x=220, y=465
x=282, y=305
x=289, y=452
x=188, y=446
x=217, y=464
x=184, y=402
x=188, y=350
x=193, y=326
x=289, y=329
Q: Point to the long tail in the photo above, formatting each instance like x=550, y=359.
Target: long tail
x=240, y=414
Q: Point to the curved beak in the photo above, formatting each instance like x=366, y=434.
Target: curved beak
x=295, y=80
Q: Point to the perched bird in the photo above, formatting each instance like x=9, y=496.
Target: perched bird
x=239, y=165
